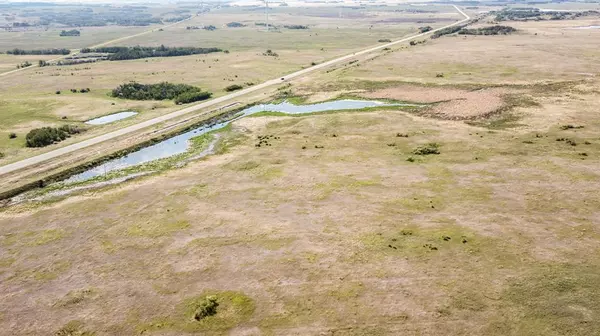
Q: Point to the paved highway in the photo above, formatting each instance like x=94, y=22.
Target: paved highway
x=134, y=128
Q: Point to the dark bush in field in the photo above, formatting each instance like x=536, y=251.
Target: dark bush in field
x=192, y=96
x=233, y=87
x=206, y=308
x=12, y=136
x=429, y=149
x=41, y=137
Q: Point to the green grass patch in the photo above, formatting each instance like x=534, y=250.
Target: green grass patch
x=551, y=300
x=233, y=309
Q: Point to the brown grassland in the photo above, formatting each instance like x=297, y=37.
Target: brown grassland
x=338, y=227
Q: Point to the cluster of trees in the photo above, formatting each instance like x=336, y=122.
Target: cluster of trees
x=525, y=14
x=295, y=27
x=492, y=30
x=425, y=29
x=447, y=31
x=129, y=53
x=72, y=32
x=181, y=93
x=177, y=18
x=42, y=63
x=18, y=51
x=270, y=52
x=45, y=136
x=209, y=28
x=235, y=25
x=24, y=65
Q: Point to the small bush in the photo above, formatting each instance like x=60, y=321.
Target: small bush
x=568, y=127
x=57, y=92
x=206, y=308
x=385, y=40
x=429, y=149
x=12, y=136
x=233, y=87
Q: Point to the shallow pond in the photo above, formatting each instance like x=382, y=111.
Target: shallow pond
x=111, y=118
x=179, y=144
x=586, y=27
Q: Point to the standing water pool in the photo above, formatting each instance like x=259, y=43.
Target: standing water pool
x=179, y=144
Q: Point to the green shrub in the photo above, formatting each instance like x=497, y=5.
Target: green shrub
x=192, y=96
x=12, y=135
x=233, y=87
x=385, y=40
x=428, y=149
x=208, y=307
x=45, y=136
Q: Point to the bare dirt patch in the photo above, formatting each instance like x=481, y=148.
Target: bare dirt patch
x=455, y=104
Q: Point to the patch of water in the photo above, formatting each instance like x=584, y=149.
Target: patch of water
x=586, y=27
x=179, y=144
x=111, y=118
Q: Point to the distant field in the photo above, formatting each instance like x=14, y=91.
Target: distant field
x=30, y=101
x=37, y=38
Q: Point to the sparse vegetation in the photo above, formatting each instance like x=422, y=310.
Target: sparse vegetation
x=428, y=149
x=425, y=29
x=384, y=40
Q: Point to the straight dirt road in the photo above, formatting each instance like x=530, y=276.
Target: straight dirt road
x=108, y=136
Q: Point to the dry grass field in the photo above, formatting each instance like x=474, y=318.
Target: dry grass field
x=29, y=99
x=343, y=226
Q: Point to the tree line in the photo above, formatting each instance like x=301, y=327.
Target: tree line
x=18, y=51
x=72, y=32
x=129, y=53
x=180, y=93
x=493, y=30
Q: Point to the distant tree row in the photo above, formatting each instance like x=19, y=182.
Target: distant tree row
x=177, y=18
x=447, y=31
x=425, y=29
x=18, y=51
x=72, y=32
x=45, y=136
x=295, y=27
x=181, y=93
x=493, y=30
x=129, y=53
x=525, y=14
x=235, y=25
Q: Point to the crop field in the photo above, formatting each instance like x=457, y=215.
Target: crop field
x=475, y=213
